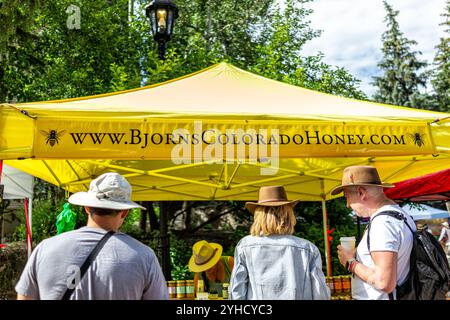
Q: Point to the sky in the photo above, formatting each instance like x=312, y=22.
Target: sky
x=352, y=29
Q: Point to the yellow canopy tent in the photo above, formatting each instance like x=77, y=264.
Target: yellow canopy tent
x=220, y=133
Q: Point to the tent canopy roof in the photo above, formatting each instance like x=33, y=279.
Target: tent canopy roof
x=181, y=139
x=425, y=212
x=223, y=89
x=433, y=186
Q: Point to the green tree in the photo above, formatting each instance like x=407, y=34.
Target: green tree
x=401, y=79
x=441, y=72
x=279, y=55
x=255, y=35
x=112, y=50
x=66, y=59
x=18, y=36
x=17, y=20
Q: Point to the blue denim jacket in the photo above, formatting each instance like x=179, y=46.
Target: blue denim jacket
x=277, y=267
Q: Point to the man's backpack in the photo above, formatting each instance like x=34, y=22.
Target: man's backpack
x=429, y=272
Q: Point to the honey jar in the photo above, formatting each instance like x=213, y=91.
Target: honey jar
x=190, y=293
x=181, y=289
x=172, y=287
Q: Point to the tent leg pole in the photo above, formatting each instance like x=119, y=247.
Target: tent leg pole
x=30, y=215
x=325, y=238
x=164, y=240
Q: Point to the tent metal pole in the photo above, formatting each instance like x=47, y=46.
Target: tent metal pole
x=164, y=246
x=52, y=173
x=182, y=179
x=30, y=215
x=180, y=193
x=325, y=229
x=325, y=237
x=232, y=176
x=265, y=180
x=400, y=169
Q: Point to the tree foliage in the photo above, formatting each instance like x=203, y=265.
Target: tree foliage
x=401, y=77
x=441, y=72
x=58, y=60
x=48, y=57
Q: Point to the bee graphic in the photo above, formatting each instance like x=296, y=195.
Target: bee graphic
x=53, y=136
x=417, y=138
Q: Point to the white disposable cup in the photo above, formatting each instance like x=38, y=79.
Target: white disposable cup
x=348, y=242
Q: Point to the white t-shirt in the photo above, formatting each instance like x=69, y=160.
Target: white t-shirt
x=386, y=234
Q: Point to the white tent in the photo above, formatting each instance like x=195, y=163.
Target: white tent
x=425, y=212
x=19, y=185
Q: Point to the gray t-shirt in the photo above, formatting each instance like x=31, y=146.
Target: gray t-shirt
x=124, y=268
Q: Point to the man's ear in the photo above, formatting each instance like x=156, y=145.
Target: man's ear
x=86, y=209
x=124, y=213
x=361, y=192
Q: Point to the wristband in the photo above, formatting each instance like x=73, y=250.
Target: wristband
x=349, y=264
x=353, y=266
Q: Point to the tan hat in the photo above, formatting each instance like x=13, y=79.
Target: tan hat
x=204, y=256
x=271, y=196
x=360, y=176
x=445, y=224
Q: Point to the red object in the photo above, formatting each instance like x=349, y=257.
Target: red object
x=329, y=232
x=431, y=187
x=27, y=225
x=2, y=245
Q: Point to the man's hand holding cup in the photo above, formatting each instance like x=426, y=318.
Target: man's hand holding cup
x=346, y=250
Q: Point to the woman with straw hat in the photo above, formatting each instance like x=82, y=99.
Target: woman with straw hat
x=271, y=263
x=210, y=266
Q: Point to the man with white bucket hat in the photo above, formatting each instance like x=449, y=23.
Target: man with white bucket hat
x=95, y=262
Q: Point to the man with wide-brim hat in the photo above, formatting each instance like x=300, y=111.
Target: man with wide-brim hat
x=360, y=176
x=270, y=263
x=210, y=266
x=382, y=259
x=56, y=262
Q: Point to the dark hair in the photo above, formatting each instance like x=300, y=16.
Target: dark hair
x=103, y=211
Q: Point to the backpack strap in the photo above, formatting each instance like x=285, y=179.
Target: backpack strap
x=88, y=262
x=394, y=214
x=391, y=213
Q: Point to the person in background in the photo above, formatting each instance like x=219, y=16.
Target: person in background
x=209, y=265
x=425, y=227
x=378, y=270
x=124, y=269
x=272, y=263
x=444, y=238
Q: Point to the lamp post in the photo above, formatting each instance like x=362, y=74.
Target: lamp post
x=162, y=15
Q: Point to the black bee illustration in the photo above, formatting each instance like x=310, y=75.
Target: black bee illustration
x=417, y=138
x=53, y=136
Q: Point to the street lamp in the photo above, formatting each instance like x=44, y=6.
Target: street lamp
x=162, y=15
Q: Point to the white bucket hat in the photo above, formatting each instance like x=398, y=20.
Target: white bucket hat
x=108, y=191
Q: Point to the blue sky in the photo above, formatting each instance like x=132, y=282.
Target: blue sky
x=352, y=29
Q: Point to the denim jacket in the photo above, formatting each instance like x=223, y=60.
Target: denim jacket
x=277, y=267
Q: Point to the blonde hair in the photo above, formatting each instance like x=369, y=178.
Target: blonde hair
x=273, y=220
